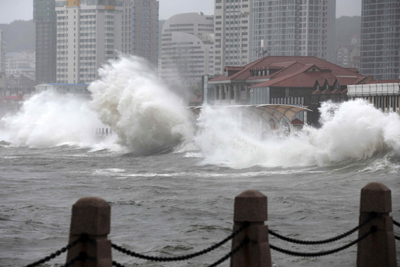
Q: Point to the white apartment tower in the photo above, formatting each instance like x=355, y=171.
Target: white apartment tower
x=88, y=35
x=187, y=48
x=293, y=28
x=140, y=29
x=232, y=33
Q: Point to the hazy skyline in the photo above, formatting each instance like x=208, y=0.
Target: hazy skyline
x=23, y=9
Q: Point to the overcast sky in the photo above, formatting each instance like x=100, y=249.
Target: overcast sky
x=22, y=9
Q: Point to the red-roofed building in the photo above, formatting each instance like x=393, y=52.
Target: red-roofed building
x=290, y=80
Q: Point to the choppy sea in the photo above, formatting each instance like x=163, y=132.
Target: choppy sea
x=181, y=201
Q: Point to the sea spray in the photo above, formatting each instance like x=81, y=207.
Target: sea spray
x=50, y=119
x=141, y=110
x=351, y=130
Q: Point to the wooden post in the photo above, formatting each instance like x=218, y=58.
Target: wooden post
x=91, y=216
x=378, y=249
x=251, y=206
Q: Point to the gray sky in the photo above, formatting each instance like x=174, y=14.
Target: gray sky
x=22, y=9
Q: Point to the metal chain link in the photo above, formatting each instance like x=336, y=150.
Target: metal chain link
x=82, y=238
x=324, y=253
x=180, y=258
x=325, y=241
x=398, y=225
x=230, y=254
x=224, y=258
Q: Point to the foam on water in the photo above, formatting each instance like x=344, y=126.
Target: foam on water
x=49, y=119
x=128, y=97
x=137, y=105
x=352, y=130
x=148, y=118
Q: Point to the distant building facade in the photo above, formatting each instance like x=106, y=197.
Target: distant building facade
x=232, y=28
x=2, y=53
x=342, y=56
x=294, y=28
x=18, y=85
x=18, y=63
x=140, y=29
x=88, y=35
x=384, y=94
x=380, y=39
x=45, y=18
x=349, y=56
x=187, y=48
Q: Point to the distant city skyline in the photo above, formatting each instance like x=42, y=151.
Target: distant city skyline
x=23, y=9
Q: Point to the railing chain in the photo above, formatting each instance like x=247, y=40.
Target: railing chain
x=398, y=225
x=323, y=253
x=325, y=241
x=180, y=258
x=82, y=238
x=231, y=253
x=224, y=258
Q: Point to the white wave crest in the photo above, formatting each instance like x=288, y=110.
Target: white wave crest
x=135, y=103
x=50, y=119
x=352, y=130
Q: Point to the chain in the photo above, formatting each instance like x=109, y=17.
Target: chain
x=224, y=258
x=82, y=238
x=319, y=254
x=180, y=258
x=230, y=254
x=329, y=240
x=114, y=263
x=398, y=225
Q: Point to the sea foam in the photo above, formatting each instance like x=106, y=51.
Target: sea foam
x=138, y=106
x=351, y=130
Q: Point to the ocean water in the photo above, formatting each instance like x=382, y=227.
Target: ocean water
x=171, y=178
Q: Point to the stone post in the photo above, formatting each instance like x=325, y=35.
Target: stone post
x=251, y=206
x=377, y=249
x=91, y=216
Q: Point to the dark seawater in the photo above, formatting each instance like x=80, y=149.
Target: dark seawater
x=170, y=204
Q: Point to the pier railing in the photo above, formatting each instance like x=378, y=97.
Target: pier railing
x=90, y=225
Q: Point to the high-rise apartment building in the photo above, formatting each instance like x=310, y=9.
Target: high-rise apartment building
x=380, y=39
x=187, y=48
x=45, y=18
x=88, y=35
x=232, y=33
x=140, y=29
x=2, y=53
x=293, y=28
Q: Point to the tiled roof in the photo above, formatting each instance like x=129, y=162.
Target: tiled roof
x=292, y=72
x=384, y=81
x=233, y=68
